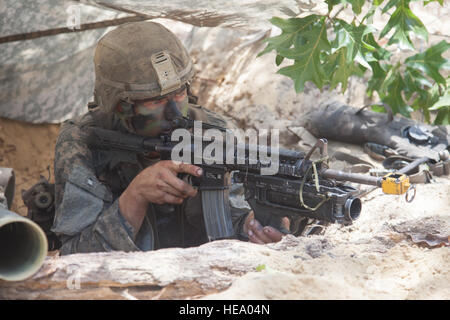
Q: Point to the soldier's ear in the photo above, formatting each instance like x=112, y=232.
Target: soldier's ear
x=191, y=97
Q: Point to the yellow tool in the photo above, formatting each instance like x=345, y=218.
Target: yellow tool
x=395, y=183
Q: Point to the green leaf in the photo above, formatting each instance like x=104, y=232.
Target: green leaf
x=389, y=5
x=278, y=59
x=307, y=65
x=379, y=52
x=357, y=5
x=403, y=22
x=443, y=117
x=284, y=40
x=427, y=98
x=293, y=25
x=353, y=38
x=416, y=84
x=291, y=32
x=431, y=61
x=378, y=108
x=332, y=3
x=441, y=2
x=416, y=80
x=391, y=92
x=260, y=267
x=444, y=101
x=302, y=72
x=379, y=74
x=389, y=79
x=339, y=68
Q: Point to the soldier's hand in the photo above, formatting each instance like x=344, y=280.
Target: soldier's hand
x=259, y=234
x=159, y=183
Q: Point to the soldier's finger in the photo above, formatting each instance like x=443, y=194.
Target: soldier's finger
x=156, y=197
x=258, y=230
x=181, y=167
x=250, y=217
x=168, y=198
x=178, y=184
x=167, y=188
x=286, y=223
x=253, y=238
x=273, y=233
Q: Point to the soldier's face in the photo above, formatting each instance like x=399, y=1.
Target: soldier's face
x=153, y=105
x=149, y=116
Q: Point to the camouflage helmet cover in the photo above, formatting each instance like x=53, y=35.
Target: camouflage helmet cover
x=137, y=61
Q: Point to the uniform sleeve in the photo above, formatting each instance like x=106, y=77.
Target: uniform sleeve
x=87, y=218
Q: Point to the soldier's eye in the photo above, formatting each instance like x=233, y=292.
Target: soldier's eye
x=155, y=103
x=161, y=101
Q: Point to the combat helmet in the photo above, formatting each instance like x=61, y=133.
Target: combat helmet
x=138, y=61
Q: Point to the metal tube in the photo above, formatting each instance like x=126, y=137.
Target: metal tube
x=352, y=208
x=413, y=165
x=23, y=244
x=351, y=177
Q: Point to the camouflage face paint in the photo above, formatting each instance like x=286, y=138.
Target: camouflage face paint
x=147, y=117
x=150, y=116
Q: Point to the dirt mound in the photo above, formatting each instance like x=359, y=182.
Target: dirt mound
x=29, y=150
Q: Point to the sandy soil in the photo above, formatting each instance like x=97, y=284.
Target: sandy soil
x=28, y=149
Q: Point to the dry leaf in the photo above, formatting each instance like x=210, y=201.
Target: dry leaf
x=430, y=240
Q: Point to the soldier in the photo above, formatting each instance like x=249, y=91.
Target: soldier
x=113, y=200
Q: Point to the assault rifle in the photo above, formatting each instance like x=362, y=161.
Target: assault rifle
x=301, y=187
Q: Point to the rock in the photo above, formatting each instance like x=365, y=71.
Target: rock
x=430, y=231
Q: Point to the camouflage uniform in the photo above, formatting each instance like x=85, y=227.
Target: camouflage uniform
x=89, y=182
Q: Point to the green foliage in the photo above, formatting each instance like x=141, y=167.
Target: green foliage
x=261, y=267
x=327, y=51
x=404, y=23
